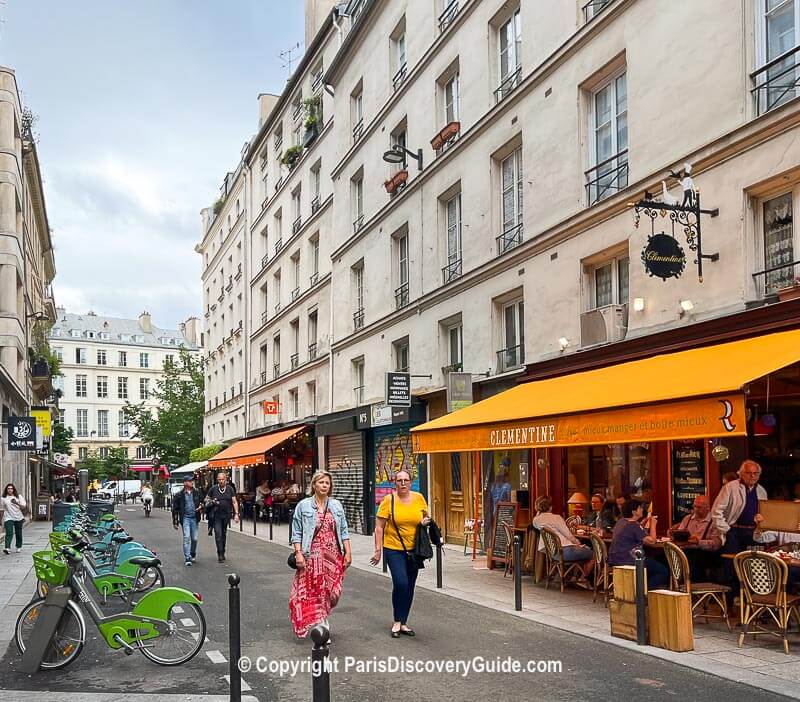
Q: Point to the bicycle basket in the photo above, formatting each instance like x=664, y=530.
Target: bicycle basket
x=50, y=567
x=59, y=539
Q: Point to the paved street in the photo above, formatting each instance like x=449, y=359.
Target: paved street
x=447, y=629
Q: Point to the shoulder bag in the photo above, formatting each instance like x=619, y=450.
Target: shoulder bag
x=415, y=561
x=291, y=561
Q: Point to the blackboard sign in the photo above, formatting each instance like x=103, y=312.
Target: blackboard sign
x=663, y=257
x=688, y=476
x=505, y=512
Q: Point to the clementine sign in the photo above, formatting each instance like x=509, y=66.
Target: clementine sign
x=687, y=419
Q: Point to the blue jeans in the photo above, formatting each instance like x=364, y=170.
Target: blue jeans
x=189, y=538
x=404, y=578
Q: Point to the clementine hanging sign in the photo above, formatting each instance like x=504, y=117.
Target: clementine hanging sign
x=687, y=419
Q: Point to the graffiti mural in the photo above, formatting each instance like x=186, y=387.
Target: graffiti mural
x=392, y=454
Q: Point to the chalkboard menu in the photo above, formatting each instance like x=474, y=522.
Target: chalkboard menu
x=688, y=476
x=505, y=512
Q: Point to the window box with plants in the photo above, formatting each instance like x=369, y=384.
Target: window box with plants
x=446, y=135
x=790, y=292
x=313, y=122
x=291, y=156
x=396, y=182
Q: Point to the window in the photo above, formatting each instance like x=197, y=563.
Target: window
x=74, y=333
x=451, y=99
x=102, y=386
x=453, y=223
x=358, y=380
x=80, y=386
x=62, y=417
x=105, y=336
x=401, y=293
x=144, y=388
x=83, y=453
x=82, y=428
x=142, y=452
x=398, y=41
x=296, y=276
x=609, y=140
x=312, y=398
x=277, y=287
x=276, y=355
x=122, y=388
x=510, y=43
x=778, y=227
x=513, y=355
x=102, y=422
x=144, y=360
x=610, y=282
x=511, y=201
x=122, y=360
x=297, y=120
x=59, y=352
x=357, y=293
x=357, y=196
x=593, y=8
x=80, y=356
x=312, y=335
x=101, y=357
x=169, y=359
x=294, y=329
x=138, y=338
x=294, y=405
x=122, y=419
x=103, y=451
x=316, y=185
x=297, y=215
x=778, y=33
x=357, y=111
x=401, y=363
x=315, y=260
x=455, y=347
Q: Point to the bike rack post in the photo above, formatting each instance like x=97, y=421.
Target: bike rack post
x=235, y=643
x=641, y=612
x=44, y=628
x=320, y=670
x=439, y=567
x=83, y=486
x=517, y=573
x=270, y=522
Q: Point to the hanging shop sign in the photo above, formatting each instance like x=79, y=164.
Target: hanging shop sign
x=21, y=434
x=43, y=420
x=459, y=391
x=271, y=407
x=398, y=389
x=663, y=257
x=688, y=476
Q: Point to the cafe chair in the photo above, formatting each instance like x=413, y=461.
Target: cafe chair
x=763, y=578
x=555, y=560
x=471, y=528
x=602, y=573
x=573, y=522
x=702, y=594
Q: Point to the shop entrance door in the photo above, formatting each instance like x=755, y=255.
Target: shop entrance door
x=453, y=494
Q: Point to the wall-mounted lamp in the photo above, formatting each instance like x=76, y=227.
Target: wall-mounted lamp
x=398, y=154
x=686, y=306
x=563, y=342
x=638, y=304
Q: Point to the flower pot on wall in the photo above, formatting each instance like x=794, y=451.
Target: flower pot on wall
x=445, y=135
x=792, y=292
x=396, y=181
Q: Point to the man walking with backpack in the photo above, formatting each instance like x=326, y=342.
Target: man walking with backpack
x=186, y=508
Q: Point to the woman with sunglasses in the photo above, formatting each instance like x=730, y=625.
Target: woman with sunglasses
x=397, y=519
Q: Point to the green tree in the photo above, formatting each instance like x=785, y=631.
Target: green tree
x=117, y=462
x=95, y=465
x=176, y=427
x=61, y=441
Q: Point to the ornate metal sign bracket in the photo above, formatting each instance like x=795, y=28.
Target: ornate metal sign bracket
x=685, y=214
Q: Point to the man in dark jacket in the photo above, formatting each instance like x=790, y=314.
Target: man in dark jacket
x=186, y=508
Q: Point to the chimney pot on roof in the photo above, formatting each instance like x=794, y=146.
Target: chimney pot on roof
x=145, y=323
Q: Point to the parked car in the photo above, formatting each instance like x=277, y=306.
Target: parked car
x=118, y=487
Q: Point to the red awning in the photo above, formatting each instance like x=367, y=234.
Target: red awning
x=250, y=452
x=141, y=469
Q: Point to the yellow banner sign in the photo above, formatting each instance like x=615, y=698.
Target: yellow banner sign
x=43, y=420
x=688, y=419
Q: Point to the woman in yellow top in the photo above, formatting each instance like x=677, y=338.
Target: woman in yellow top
x=395, y=533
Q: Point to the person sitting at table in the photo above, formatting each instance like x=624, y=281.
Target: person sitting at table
x=600, y=517
x=293, y=491
x=616, y=508
x=279, y=492
x=646, y=498
x=775, y=539
x=702, y=532
x=573, y=549
x=629, y=535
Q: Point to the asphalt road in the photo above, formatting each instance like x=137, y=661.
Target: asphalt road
x=447, y=629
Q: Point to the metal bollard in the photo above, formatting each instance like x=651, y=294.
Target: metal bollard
x=517, y=573
x=321, y=681
x=255, y=518
x=270, y=523
x=641, y=613
x=439, y=567
x=241, y=519
x=235, y=643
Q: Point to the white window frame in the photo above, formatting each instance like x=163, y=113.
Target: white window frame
x=81, y=385
x=452, y=104
x=82, y=428
x=514, y=25
x=402, y=260
x=761, y=48
x=358, y=287
x=144, y=388
x=516, y=186
x=80, y=356
x=102, y=423
x=123, y=425
x=761, y=252
x=122, y=359
x=594, y=128
x=455, y=333
x=102, y=386
x=122, y=387
x=453, y=229
x=616, y=291
x=102, y=357
x=519, y=323
x=402, y=356
x=144, y=360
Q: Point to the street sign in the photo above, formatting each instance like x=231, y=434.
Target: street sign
x=398, y=389
x=61, y=459
x=21, y=434
x=459, y=391
x=381, y=415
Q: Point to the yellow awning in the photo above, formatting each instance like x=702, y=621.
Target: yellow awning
x=684, y=395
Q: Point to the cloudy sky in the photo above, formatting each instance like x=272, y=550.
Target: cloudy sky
x=143, y=106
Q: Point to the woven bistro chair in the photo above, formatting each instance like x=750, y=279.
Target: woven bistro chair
x=602, y=574
x=702, y=594
x=763, y=595
x=573, y=522
x=555, y=560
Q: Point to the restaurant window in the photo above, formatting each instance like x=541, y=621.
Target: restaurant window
x=779, y=244
x=778, y=32
x=608, y=139
x=612, y=471
x=610, y=282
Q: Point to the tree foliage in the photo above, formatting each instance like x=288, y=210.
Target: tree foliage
x=203, y=453
x=114, y=465
x=176, y=426
x=61, y=441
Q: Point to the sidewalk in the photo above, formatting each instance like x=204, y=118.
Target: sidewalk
x=763, y=665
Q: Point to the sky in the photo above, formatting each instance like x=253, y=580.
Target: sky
x=143, y=107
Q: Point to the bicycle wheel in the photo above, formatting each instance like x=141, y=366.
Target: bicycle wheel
x=187, y=633
x=67, y=642
x=152, y=577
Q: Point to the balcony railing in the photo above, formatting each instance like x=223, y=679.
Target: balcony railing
x=401, y=296
x=314, y=279
x=449, y=14
x=278, y=184
x=238, y=272
x=295, y=293
x=264, y=260
x=451, y=271
x=241, y=387
x=297, y=110
x=510, y=358
x=276, y=370
x=607, y=177
x=297, y=224
x=312, y=351
x=358, y=319
x=776, y=82
x=358, y=394
x=233, y=391
x=358, y=224
x=400, y=76
x=593, y=8
x=315, y=204
x=777, y=277
x=264, y=317
x=358, y=129
x=294, y=360
x=316, y=82
x=278, y=141
x=508, y=84
x=278, y=245
x=277, y=307
x=263, y=377
x=509, y=239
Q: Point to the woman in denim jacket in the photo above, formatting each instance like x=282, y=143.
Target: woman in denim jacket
x=322, y=546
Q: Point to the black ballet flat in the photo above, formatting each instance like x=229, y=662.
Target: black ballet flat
x=395, y=634
x=407, y=632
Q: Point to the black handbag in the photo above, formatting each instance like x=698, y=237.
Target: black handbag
x=415, y=560
x=291, y=561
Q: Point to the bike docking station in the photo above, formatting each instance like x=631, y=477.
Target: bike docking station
x=45, y=628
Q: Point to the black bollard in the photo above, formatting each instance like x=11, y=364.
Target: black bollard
x=517, y=573
x=255, y=518
x=439, y=567
x=270, y=523
x=320, y=674
x=241, y=520
x=235, y=642
x=641, y=612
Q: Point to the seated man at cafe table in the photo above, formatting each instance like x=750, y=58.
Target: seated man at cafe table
x=573, y=549
x=293, y=492
x=600, y=516
x=629, y=535
x=703, y=542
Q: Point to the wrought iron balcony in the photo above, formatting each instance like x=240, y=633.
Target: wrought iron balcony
x=265, y=260
x=508, y=84
x=312, y=351
x=777, y=277
x=233, y=391
x=593, y=8
x=358, y=319
x=451, y=271
x=278, y=245
x=358, y=223
x=229, y=286
x=294, y=360
x=241, y=387
x=238, y=272
x=276, y=370
x=358, y=130
x=297, y=224
x=315, y=205
x=449, y=14
x=278, y=141
x=509, y=239
x=316, y=81
x=278, y=184
x=776, y=82
x=607, y=177
x=277, y=307
x=358, y=394
x=510, y=358
x=295, y=293
x=400, y=76
x=264, y=317
x=263, y=377
x=314, y=279
x=401, y=296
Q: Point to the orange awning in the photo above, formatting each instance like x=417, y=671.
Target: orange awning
x=250, y=452
x=684, y=395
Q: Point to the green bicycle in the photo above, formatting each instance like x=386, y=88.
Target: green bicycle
x=167, y=625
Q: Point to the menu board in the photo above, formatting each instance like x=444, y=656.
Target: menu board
x=688, y=476
x=505, y=512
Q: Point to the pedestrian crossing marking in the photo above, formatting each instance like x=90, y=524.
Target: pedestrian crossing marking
x=216, y=657
x=245, y=686
x=196, y=636
x=187, y=622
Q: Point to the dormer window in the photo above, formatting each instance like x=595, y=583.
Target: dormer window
x=75, y=333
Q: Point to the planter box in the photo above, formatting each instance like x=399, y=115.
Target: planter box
x=791, y=292
x=445, y=135
x=399, y=179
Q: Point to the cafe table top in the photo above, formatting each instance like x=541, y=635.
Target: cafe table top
x=791, y=562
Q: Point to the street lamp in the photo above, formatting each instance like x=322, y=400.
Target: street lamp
x=398, y=154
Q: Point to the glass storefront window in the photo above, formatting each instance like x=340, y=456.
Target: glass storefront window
x=610, y=470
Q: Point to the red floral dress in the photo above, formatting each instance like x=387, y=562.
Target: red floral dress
x=316, y=589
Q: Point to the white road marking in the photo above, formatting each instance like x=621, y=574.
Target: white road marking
x=128, y=509
x=245, y=686
x=177, y=609
x=196, y=636
x=216, y=657
x=187, y=622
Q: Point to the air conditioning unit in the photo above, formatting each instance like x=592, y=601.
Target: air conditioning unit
x=604, y=325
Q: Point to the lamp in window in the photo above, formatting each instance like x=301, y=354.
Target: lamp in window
x=576, y=502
